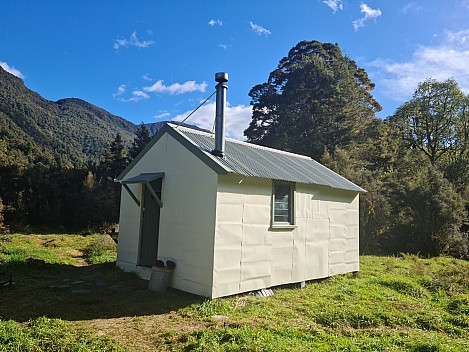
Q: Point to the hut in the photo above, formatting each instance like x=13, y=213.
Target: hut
x=234, y=216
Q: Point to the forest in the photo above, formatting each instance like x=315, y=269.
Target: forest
x=317, y=102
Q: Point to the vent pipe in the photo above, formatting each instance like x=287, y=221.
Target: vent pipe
x=221, y=78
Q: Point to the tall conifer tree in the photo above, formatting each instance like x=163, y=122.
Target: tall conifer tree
x=317, y=98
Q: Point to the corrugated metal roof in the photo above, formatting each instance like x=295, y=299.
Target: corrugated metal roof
x=253, y=160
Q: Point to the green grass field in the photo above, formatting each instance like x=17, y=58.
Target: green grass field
x=79, y=301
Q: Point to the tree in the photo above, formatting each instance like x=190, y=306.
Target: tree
x=317, y=98
x=108, y=192
x=435, y=120
x=371, y=162
x=116, y=159
x=143, y=137
x=428, y=214
x=3, y=227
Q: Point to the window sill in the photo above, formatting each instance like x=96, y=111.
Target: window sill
x=280, y=226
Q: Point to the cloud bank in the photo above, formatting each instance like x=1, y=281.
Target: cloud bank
x=449, y=59
x=176, y=88
x=11, y=70
x=237, y=119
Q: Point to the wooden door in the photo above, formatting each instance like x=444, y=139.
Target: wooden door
x=150, y=226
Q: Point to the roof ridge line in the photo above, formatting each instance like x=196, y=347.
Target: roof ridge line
x=252, y=145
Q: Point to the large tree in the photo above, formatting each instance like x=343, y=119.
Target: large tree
x=316, y=99
x=435, y=120
x=116, y=158
x=142, y=138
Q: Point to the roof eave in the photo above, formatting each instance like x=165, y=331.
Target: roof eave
x=181, y=138
x=140, y=155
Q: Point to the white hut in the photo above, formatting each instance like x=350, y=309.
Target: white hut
x=236, y=218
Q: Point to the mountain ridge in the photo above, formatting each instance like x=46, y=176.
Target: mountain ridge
x=72, y=130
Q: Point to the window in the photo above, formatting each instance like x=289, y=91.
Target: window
x=283, y=204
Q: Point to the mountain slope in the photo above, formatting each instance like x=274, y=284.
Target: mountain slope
x=71, y=129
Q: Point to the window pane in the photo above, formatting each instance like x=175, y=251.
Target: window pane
x=282, y=203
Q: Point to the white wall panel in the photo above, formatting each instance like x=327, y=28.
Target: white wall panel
x=326, y=224
x=316, y=261
x=187, y=219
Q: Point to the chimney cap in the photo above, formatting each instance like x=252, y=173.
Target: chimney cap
x=221, y=77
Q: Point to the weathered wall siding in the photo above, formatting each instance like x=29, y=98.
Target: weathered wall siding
x=187, y=219
x=249, y=255
x=340, y=209
x=282, y=257
x=256, y=253
x=242, y=261
x=316, y=248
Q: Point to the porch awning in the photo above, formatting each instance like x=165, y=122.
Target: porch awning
x=145, y=178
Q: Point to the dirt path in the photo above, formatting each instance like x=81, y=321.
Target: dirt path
x=147, y=333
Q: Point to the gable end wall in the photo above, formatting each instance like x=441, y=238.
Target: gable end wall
x=187, y=219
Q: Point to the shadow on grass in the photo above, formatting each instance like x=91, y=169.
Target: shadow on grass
x=82, y=293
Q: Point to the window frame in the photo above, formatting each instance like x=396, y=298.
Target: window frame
x=291, y=206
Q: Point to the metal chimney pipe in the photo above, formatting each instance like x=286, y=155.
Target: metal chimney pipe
x=221, y=78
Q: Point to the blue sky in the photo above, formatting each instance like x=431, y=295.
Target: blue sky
x=155, y=60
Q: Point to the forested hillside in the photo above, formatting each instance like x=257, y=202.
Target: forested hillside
x=72, y=130
x=58, y=160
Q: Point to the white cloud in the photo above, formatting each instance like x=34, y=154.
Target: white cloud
x=369, y=15
x=224, y=46
x=162, y=115
x=11, y=70
x=237, y=119
x=259, y=30
x=334, y=5
x=412, y=7
x=146, y=77
x=449, y=59
x=176, y=88
x=120, y=91
x=133, y=41
x=458, y=39
x=369, y=12
x=137, y=95
x=215, y=23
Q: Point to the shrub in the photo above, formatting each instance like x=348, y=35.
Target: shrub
x=3, y=228
x=102, y=249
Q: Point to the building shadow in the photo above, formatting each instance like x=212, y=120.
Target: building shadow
x=82, y=293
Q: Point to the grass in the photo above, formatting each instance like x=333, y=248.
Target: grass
x=57, y=249
x=83, y=302
x=44, y=334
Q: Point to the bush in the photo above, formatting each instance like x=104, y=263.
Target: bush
x=102, y=249
x=3, y=227
x=429, y=214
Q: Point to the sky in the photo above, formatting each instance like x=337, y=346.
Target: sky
x=150, y=61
